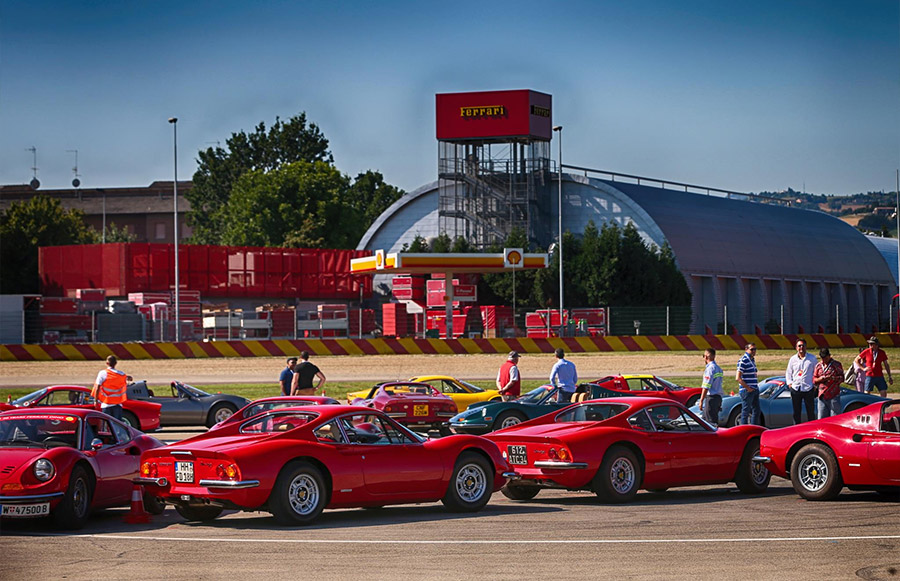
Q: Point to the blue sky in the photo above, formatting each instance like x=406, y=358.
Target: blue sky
x=739, y=95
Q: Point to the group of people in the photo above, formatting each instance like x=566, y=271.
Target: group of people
x=815, y=384
x=563, y=375
x=297, y=377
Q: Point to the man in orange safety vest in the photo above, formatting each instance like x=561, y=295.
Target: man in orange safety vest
x=109, y=388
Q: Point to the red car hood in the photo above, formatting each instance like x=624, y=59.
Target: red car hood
x=13, y=459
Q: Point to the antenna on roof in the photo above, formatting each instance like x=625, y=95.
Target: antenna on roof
x=75, y=181
x=35, y=183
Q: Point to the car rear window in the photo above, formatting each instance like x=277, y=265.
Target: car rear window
x=277, y=422
x=591, y=412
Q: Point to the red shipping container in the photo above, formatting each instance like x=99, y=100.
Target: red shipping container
x=59, y=305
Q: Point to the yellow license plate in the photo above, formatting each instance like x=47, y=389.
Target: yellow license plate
x=420, y=410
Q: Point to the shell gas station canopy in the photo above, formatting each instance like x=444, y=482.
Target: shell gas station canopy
x=398, y=263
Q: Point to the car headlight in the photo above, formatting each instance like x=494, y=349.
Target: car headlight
x=44, y=470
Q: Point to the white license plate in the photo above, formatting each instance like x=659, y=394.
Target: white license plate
x=25, y=510
x=184, y=472
x=517, y=455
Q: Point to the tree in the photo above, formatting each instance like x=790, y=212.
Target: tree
x=219, y=169
x=41, y=221
x=371, y=196
x=116, y=234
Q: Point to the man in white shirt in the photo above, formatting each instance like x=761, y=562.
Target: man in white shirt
x=799, y=376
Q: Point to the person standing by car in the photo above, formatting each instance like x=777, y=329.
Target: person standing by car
x=565, y=376
x=287, y=376
x=109, y=388
x=712, y=390
x=799, y=377
x=872, y=359
x=748, y=379
x=859, y=373
x=508, y=381
x=827, y=377
x=304, y=372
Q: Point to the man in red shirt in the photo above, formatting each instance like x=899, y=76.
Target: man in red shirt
x=872, y=359
x=508, y=381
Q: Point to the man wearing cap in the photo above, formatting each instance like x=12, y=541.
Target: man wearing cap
x=828, y=377
x=508, y=381
x=872, y=360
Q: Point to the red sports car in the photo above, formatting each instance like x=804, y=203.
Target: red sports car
x=276, y=402
x=64, y=462
x=143, y=415
x=858, y=449
x=650, y=386
x=295, y=462
x=616, y=446
x=413, y=404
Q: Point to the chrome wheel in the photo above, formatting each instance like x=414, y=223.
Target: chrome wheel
x=223, y=414
x=471, y=483
x=759, y=474
x=303, y=494
x=813, y=472
x=622, y=475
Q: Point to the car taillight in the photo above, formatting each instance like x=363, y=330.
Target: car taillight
x=552, y=454
x=388, y=408
x=228, y=471
x=149, y=469
x=564, y=455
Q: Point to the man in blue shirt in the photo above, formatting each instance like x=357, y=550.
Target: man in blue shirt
x=564, y=376
x=747, y=377
x=287, y=375
x=711, y=396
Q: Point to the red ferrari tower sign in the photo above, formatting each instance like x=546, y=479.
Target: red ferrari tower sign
x=501, y=115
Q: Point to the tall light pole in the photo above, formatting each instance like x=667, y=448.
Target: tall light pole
x=558, y=129
x=174, y=122
x=898, y=250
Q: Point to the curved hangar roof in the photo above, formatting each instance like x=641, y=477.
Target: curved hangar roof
x=709, y=235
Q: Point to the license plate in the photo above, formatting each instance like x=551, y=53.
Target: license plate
x=420, y=410
x=184, y=472
x=25, y=510
x=517, y=455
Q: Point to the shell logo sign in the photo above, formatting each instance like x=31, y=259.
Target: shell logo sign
x=513, y=258
x=379, y=259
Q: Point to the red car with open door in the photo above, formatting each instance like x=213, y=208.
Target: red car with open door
x=858, y=449
x=616, y=446
x=295, y=462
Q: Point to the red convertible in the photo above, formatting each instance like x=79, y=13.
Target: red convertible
x=413, y=404
x=270, y=403
x=63, y=463
x=858, y=449
x=142, y=415
x=646, y=385
x=295, y=462
x=615, y=446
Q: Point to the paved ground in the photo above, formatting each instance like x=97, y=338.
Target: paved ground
x=709, y=532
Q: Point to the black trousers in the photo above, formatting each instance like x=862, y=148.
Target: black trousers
x=798, y=398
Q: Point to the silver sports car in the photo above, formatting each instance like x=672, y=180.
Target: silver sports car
x=186, y=405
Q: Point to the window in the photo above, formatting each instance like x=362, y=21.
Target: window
x=329, y=433
x=671, y=419
x=121, y=432
x=100, y=428
x=64, y=397
x=640, y=421
x=159, y=232
x=594, y=412
x=373, y=430
x=276, y=422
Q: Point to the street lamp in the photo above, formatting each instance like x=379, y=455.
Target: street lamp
x=559, y=128
x=174, y=122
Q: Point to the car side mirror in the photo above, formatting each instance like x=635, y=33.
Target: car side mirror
x=96, y=444
x=857, y=438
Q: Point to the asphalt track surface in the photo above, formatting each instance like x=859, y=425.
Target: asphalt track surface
x=709, y=532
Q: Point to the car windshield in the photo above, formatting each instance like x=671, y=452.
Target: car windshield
x=408, y=389
x=40, y=430
x=25, y=399
x=767, y=390
x=193, y=390
x=277, y=422
x=890, y=417
x=470, y=387
x=666, y=383
x=591, y=412
x=537, y=396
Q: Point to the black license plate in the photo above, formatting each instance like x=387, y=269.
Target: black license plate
x=517, y=455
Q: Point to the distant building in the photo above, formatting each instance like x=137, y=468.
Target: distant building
x=146, y=212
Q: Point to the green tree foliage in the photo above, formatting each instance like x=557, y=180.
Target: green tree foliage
x=41, y=221
x=116, y=234
x=218, y=169
x=371, y=196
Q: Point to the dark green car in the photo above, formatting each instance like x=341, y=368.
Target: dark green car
x=488, y=416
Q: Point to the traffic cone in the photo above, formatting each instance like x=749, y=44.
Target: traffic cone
x=137, y=514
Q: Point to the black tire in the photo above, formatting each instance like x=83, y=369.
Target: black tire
x=815, y=473
x=692, y=401
x=752, y=477
x=619, y=476
x=153, y=504
x=75, y=508
x=471, y=483
x=198, y=513
x=520, y=492
x=300, y=495
x=734, y=418
x=131, y=420
x=219, y=413
x=508, y=419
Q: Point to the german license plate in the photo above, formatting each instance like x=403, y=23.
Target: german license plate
x=184, y=472
x=420, y=410
x=25, y=510
x=517, y=454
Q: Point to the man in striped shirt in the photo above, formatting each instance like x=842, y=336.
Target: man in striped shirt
x=711, y=396
x=747, y=377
